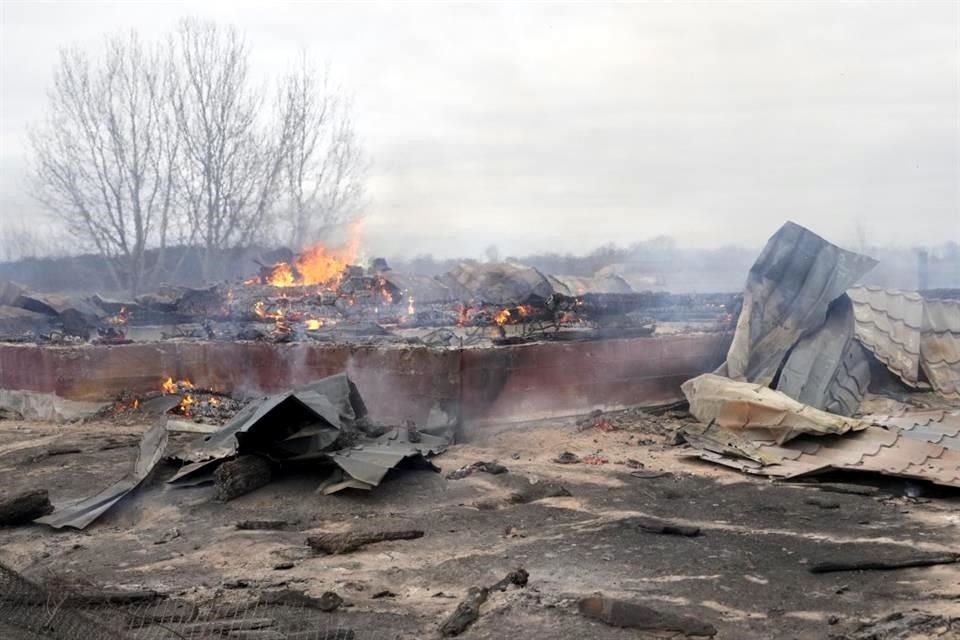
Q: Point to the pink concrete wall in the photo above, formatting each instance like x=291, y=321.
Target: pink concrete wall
x=561, y=379
x=501, y=384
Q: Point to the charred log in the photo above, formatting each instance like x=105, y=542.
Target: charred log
x=24, y=507
x=332, y=543
x=238, y=477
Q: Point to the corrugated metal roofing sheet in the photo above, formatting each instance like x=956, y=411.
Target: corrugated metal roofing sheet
x=828, y=369
x=789, y=290
x=938, y=427
x=909, y=335
x=876, y=449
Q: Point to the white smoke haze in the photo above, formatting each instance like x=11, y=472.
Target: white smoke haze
x=562, y=127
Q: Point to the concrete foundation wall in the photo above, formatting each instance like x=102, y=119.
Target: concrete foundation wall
x=502, y=384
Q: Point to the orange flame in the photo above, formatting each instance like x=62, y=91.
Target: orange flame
x=169, y=386
x=281, y=275
x=122, y=317
x=502, y=318
x=313, y=324
x=185, y=404
x=319, y=264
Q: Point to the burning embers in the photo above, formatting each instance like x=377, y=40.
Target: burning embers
x=185, y=389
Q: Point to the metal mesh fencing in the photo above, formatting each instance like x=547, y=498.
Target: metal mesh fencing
x=32, y=612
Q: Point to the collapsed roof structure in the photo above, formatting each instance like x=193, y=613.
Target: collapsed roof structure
x=805, y=348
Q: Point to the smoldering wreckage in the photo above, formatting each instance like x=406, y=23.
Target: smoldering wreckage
x=823, y=378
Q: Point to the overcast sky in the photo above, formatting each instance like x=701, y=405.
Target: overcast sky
x=565, y=126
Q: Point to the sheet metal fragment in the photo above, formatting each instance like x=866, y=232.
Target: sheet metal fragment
x=80, y=514
x=789, y=289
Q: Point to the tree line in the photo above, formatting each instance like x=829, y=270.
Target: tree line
x=174, y=142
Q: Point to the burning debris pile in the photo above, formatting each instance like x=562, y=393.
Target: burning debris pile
x=321, y=295
x=179, y=399
x=805, y=353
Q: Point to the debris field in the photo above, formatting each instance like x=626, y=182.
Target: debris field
x=807, y=488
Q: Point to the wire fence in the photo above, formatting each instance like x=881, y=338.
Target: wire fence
x=32, y=612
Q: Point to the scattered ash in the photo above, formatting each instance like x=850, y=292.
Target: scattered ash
x=652, y=426
x=207, y=407
x=183, y=400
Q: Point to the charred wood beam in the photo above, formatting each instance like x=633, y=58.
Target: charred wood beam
x=332, y=543
x=906, y=562
x=238, y=477
x=468, y=611
x=24, y=507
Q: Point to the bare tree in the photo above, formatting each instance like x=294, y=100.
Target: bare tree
x=227, y=174
x=101, y=159
x=323, y=166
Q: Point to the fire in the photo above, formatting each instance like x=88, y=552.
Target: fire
x=384, y=290
x=281, y=275
x=121, y=318
x=313, y=324
x=316, y=265
x=503, y=317
x=136, y=403
x=185, y=403
x=462, y=316
x=524, y=310
x=169, y=386
x=260, y=310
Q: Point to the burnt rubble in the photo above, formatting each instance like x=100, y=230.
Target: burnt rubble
x=293, y=301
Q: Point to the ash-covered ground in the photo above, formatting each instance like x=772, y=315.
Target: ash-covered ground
x=747, y=573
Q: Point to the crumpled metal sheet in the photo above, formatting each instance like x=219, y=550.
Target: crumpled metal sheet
x=314, y=423
x=875, y=449
x=367, y=464
x=80, y=514
x=308, y=419
x=739, y=406
x=789, y=289
x=828, y=369
x=910, y=335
